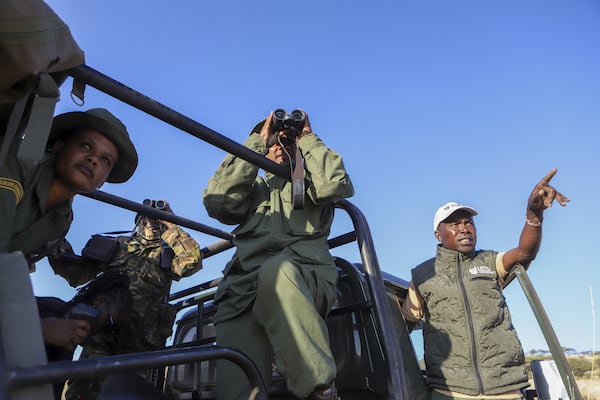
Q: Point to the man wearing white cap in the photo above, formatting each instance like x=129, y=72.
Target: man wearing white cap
x=471, y=348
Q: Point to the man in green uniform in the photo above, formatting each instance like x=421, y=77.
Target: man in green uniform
x=85, y=149
x=471, y=348
x=281, y=282
x=156, y=254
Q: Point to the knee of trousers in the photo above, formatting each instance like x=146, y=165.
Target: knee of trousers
x=276, y=280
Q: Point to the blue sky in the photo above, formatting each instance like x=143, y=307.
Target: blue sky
x=428, y=102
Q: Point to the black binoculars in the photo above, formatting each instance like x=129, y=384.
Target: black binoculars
x=290, y=124
x=85, y=312
x=158, y=204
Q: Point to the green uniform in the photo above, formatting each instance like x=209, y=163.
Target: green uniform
x=281, y=281
x=150, y=283
x=26, y=226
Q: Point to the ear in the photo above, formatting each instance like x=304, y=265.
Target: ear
x=438, y=236
x=58, y=145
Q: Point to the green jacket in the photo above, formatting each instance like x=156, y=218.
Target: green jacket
x=471, y=346
x=268, y=225
x=26, y=226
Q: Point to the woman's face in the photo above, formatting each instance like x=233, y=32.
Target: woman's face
x=84, y=160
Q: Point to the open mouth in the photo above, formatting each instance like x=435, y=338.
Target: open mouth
x=465, y=240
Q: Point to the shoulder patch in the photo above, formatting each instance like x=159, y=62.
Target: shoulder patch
x=14, y=186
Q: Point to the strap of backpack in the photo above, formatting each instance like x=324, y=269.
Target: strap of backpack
x=34, y=111
x=298, y=189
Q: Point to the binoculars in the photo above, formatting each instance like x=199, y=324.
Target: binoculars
x=158, y=204
x=290, y=124
x=85, y=312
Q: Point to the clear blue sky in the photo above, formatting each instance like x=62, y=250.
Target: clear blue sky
x=428, y=102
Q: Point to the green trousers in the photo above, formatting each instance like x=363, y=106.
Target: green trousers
x=284, y=326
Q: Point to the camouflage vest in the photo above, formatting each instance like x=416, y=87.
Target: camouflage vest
x=152, y=316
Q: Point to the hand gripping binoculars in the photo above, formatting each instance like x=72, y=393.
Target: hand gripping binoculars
x=290, y=124
x=158, y=204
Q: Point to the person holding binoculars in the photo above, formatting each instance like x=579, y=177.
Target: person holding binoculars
x=157, y=253
x=281, y=282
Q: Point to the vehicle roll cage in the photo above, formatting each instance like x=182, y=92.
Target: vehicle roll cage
x=362, y=233
x=14, y=377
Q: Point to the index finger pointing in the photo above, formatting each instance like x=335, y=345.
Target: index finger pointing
x=545, y=180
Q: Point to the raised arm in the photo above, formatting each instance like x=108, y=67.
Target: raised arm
x=187, y=258
x=541, y=198
x=226, y=197
x=326, y=175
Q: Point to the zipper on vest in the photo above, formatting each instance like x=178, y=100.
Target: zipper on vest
x=461, y=284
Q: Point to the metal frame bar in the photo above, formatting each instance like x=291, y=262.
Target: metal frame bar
x=98, y=80
x=19, y=377
x=22, y=377
x=565, y=371
x=398, y=388
x=397, y=383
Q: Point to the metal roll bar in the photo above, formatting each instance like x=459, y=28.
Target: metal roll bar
x=87, y=75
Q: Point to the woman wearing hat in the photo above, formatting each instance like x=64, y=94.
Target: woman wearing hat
x=85, y=149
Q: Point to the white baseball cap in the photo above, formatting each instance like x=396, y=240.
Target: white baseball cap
x=447, y=210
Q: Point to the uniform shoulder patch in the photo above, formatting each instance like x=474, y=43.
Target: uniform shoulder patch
x=14, y=186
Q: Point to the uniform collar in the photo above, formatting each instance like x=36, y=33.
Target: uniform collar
x=447, y=255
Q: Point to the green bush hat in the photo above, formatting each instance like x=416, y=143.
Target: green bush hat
x=107, y=124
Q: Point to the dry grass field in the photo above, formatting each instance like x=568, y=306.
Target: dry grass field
x=590, y=390
x=582, y=366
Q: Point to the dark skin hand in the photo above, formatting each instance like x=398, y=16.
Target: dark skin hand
x=277, y=153
x=67, y=333
x=542, y=196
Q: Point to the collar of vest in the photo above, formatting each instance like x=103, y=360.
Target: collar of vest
x=448, y=256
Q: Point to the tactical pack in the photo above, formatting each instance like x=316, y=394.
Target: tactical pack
x=101, y=249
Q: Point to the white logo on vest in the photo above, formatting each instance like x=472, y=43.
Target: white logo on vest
x=482, y=269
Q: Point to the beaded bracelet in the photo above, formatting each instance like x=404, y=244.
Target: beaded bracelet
x=532, y=223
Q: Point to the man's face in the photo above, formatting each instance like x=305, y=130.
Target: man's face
x=84, y=160
x=277, y=154
x=457, y=232
x=149, y=228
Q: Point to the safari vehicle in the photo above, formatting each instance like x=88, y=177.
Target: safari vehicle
x=373, y=350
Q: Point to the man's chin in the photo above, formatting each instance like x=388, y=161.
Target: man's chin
x=466, y=249
x=84, y=187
